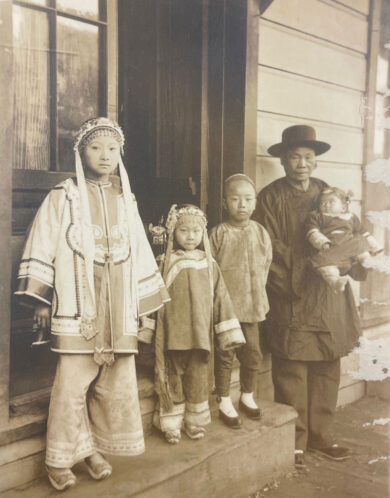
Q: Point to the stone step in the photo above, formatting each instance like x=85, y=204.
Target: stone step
x=228, y=463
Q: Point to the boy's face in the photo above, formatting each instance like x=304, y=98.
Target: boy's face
x=330, y=203
x=189, y=234
x=299, y=163
x=101, y=157
x=239, y=202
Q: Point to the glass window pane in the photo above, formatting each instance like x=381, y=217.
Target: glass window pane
x=31, y=89
x=77, y=82
x=86, y=8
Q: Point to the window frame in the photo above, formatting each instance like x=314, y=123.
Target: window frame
x=53, y=13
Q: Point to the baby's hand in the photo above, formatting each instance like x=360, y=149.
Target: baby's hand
x=325, y=246
x=42, y=317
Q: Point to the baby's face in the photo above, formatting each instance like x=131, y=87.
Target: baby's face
x=331, y=204
x=189, y=234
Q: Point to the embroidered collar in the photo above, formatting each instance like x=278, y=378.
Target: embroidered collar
x=97, y=183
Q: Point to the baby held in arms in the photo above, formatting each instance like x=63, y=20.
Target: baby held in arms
x=338, y=237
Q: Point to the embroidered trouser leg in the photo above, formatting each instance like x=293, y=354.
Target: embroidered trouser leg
x=311, y=387
x=93, y=408
x=189, y=384
x=249, y=355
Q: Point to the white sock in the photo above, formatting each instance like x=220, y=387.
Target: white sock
x=226, y=406
x=247, y=399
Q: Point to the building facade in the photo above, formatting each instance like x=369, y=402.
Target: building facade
x=202, y=88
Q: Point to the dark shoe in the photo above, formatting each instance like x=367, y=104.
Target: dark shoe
x=232, y=422
x=300, y=460
x=254, y=413
x=334, y=452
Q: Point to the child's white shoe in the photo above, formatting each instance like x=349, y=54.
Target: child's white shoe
x=227, y=413
x=248, y=405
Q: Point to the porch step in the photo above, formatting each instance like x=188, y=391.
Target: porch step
x=226, y=463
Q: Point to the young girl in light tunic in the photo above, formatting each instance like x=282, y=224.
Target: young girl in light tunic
x=199, y=311
x=89, y=272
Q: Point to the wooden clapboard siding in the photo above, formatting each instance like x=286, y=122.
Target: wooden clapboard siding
x=270, y=127
x=323, y=19
x=284, y=48
x=362, y=6
x=269, y=169
x=293, y=95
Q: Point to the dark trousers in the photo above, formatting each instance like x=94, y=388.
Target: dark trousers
x=249, y=355
x=311, y=387
x=189, y=375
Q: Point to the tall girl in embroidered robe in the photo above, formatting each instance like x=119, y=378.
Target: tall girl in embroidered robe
x=89, y=272
x=200, y=308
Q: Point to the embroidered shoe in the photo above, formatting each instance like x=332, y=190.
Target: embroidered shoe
x=98, y=467
x=172, y=437
x=194, y=431
x=60, y=479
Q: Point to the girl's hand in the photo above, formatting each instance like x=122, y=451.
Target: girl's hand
x=42, y=317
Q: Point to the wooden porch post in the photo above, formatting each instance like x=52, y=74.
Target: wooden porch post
x=6, y=100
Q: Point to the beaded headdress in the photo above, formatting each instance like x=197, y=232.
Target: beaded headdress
x=176, y=216
x=97, y=127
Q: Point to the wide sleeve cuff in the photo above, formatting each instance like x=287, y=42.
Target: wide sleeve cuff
x=32, y=288
x=317, y=239
x=374, y=244
x=152, y=294
x=230, y=339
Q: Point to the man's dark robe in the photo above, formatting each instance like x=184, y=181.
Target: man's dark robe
x=307, y=321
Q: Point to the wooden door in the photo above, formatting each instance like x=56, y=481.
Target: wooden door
x=162, y=100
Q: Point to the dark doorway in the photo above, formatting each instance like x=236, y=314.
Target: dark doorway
x=161, y=97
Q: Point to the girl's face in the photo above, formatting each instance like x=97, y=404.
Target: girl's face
x=100, y=158
x=331, y=203
x=239, y=202
x=189, y=235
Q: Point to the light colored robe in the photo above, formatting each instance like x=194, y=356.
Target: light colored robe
x=53, y=270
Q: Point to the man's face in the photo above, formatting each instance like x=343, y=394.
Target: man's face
x=299, y=163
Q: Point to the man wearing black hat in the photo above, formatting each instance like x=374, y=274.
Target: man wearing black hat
x=309, y=327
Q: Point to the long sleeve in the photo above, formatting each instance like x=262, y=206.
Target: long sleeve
x=36, y=271
x=226, y=325
x=313, y=232
x=279, y=278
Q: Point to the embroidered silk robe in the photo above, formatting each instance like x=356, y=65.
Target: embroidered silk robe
x=53, y=270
